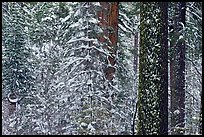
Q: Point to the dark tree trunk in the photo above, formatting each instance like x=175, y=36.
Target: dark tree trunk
x=153, y=70
x=177, y=72
x=164, y=69
x=200, y=121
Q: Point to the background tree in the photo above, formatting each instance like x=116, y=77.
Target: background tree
x=128, y=56
x=177, y=69
x=193, y=66
x=17, y=65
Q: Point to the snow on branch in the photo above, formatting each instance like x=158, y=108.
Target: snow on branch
x=81, y=39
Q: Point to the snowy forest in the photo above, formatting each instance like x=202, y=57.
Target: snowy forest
x=101, y=68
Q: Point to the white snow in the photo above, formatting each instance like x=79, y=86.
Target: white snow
x=12, y=100
x=88, y=57
x=60, y=84
x=26, y=28
x=180, y=37
x=124, y=16
x=12, y=123
x=176, y=112
x=89, y=82
x=54, y=16
x=46, y=18
x=93, y=20
x=77, y=13
x=84, y=124
x=17, y=83
x=123, y=28
x=194, y=117
x=74, y=25
x=81, y=39
x=36, y=129
x=127, y=26
x=157, y=45
x=96, y=3
x=91, y=128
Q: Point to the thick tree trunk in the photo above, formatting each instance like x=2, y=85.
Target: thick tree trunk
x=108, y=17
x=153, y=70
x=113, y=37
x=113, y=32
x=103, y=16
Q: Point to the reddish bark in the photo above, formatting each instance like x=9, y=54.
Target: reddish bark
x=113, y=35
x=108, y=17
x=12, y=108
x=103, y=18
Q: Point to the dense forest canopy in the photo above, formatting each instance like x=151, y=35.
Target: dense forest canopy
x=101, y=68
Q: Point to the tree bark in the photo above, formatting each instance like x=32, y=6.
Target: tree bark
x=103, y=16
x=164, y=69
x=153, y=70
x=135, y=67
x=108, y=17
x=200, y=117
x=177, y=73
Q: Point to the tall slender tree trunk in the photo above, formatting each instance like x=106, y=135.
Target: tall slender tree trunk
x=135, y=66
x=177, y=72
x=200, y=119
x=164, y=69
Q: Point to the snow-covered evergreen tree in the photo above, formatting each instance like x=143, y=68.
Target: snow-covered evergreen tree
x=17, y=66
x=193, y=67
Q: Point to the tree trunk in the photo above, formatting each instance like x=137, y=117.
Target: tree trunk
x=113, y=32
x=135, y=67
x=164, y=69
x=177, y=73
x=103, y=16
x=153, y=70
x=108, y=17
x=200, y=119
